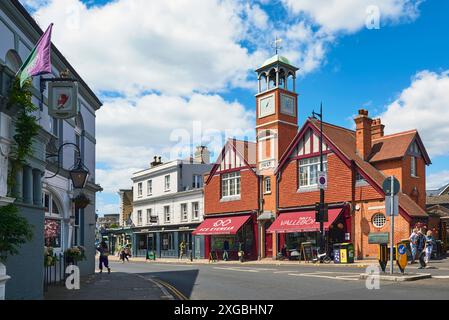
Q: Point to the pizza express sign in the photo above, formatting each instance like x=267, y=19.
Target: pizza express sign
x=63, y=99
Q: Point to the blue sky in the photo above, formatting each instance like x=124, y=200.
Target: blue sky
x=175, y=69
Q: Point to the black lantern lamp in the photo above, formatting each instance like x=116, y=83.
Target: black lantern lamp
x=79, y=175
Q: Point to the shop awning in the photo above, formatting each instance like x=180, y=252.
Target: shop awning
x=302, y=222
x=222, y=225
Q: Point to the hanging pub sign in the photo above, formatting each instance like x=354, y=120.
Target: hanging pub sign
x=63, y=99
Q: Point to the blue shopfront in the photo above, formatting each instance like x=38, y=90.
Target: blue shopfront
x=165, y=242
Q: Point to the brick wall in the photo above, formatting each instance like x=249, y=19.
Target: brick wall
x=249, y=195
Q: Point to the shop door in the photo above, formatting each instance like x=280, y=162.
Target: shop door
x=268, y=242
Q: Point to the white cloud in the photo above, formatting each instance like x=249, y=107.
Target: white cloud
x=174, y=47
x=424, y=106
x=351, y=15
x=437, y=180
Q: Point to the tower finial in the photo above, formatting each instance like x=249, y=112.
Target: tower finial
x=277, y=44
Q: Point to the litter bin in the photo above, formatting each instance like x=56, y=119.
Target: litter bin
x=151, y=255
x=337, y=248
x=346, y=253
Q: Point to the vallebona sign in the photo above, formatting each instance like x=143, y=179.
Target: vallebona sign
x=63, y=99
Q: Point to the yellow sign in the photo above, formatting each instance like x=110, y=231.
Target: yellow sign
x=401, y=257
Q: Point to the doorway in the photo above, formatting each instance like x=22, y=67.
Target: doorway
x=268, y=241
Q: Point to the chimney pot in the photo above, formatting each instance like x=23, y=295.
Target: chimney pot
x=363, y=134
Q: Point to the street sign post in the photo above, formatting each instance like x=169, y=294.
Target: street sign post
x=391, y=187
x=389, y=206
x=322, y=180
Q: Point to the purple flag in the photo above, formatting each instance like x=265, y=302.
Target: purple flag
x=39, y=61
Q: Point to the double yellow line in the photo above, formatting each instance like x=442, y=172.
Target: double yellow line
x=177, y=293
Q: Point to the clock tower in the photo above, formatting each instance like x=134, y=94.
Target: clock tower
x=276, y=127
x=277, y=111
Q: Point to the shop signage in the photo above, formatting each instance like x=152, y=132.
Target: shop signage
x=378, y=238
x=306, y=251
x=300, y=221
x=63, y=99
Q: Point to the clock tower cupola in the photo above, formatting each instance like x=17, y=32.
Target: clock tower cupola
x=277, y=111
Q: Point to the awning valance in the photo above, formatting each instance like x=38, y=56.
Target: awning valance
x=302, y=222
x=222, y=225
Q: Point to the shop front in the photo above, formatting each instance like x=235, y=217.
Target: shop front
x=235, y=232
x=296, y=228
x=164, y=242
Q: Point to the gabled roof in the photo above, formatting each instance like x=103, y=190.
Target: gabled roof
x=396, y=146
x=443, y=199
x=439, y=192
x=249, y=148
x=342, y=142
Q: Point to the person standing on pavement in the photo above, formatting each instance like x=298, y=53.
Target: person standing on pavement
x=182, y=248
x=104, y=254
x=413, y=244
x=429, y=246
x=225, y=250
x=420, y=246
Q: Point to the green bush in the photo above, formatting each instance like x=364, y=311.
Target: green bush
x=14, y=231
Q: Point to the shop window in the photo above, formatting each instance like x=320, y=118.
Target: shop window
x=379, y=220
x=195, y=211
x=308, y=171
x=167, y=242
x=230, y=184
x=149, y=214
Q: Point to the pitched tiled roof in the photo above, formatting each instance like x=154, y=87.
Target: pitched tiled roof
x=443, y=199
x=344, y=140
x=392, y=146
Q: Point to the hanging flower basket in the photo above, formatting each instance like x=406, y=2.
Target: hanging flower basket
x=81, y=201
x=75, y=254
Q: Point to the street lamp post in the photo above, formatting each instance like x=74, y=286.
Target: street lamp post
x=322, y=238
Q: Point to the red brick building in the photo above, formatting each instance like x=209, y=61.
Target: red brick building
x=271, y=186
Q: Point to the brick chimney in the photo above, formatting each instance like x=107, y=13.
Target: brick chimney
x=363, y=134
x=202, y=155
x=377, y=129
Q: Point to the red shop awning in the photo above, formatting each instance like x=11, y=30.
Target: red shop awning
x=223, y=225
x=302, y=222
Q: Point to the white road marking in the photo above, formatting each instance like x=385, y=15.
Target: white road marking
x=235, y=269
x=287, y=271
x=261, y=269
x=345, y=276
x=440, y=277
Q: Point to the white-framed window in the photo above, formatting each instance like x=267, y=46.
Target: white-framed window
x=167, y=217
x=167, y=183
x=308, y=171
x=140, y=189
x=197, y=181
x=413, y=166
x=52, y=222
x=379, y=220
x=230, y=184
x=149, y=187
x=139, y=218
x=267, y=185
x=184, y=213
x=149, y=214
x=195, y=210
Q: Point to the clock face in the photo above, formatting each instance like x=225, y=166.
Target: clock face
x=287, y=105
x=266, y=106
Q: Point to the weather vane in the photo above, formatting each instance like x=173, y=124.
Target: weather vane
x=277, y=44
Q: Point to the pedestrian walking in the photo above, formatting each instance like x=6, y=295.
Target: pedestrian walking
x=420, y=248
x=226, y=250
x=413, y=244
x=104, y=256
x=182, y=248
x=127, y=253
x=429, y=246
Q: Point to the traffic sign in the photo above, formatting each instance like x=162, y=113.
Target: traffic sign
x=402, y=258
x=322, y=180
x=389, y=207
x=391, y=188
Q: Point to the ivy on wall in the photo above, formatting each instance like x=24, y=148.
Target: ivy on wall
x=27, y=127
